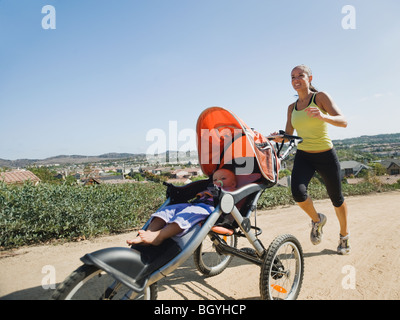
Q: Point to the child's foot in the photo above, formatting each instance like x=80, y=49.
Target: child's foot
x=146, y=237
x=150, y=237
x=137, y=240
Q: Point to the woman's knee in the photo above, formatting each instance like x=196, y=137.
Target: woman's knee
x=337, y=201
x=299, y=193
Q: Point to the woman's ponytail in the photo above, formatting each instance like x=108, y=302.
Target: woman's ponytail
x=312, y=88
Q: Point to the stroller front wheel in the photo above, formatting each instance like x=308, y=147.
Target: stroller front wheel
x=282, y=269
x=91, y=283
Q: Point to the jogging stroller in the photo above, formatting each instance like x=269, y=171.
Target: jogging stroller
x=223, y=141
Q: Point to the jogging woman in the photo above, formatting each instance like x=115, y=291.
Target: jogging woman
x=310, y=116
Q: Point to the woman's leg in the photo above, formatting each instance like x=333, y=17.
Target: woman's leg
x=329, y=169
x=341, y=213
x=308, y=207
x=302, y=173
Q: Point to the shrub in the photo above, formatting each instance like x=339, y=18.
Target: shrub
x=282, y=196
x=31, y=214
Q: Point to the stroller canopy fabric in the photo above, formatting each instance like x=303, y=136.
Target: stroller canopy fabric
x=223, y=139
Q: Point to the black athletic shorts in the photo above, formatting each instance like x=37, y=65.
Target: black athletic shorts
x=327, y=165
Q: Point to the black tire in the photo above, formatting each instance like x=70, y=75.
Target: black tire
x=91, y=283
x=282, y=271
x=207, y=258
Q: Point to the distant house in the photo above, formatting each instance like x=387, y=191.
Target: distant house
x=154, y=170
x=186, y=173
x=284, y=181
x=195, y=172
x=392, y=166
x=181, y=173
x=182, y=176
x=158, y=171
x=349, y=168
x=91, y=181
x=108, y=179
x=19, y=177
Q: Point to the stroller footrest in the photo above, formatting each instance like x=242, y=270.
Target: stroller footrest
x=222, y=230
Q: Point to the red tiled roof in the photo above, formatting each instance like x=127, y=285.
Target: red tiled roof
x=18, y=176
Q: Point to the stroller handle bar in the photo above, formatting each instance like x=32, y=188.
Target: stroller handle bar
x=293, y=142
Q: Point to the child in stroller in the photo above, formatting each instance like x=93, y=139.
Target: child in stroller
x=177, y=219
x=132, y=273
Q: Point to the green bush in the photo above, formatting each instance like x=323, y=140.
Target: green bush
x=273, y=197
x=35, y=214
x=32, y=214
x=278, y=196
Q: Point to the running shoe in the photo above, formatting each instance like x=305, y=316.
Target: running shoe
x=344, y=245
x=316, y=229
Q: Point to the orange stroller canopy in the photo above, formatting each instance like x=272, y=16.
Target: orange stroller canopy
x=223, y=139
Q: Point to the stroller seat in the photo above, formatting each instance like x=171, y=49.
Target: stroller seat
x=255, y=169
x=226, y=224
x=223, y=141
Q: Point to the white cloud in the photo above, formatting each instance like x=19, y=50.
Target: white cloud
x=376, y=96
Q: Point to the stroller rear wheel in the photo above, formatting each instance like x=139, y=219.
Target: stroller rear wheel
x=209, y=260
x=282, y=269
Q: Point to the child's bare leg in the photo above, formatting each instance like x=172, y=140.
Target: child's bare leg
x=155, y=225
x=157, y=237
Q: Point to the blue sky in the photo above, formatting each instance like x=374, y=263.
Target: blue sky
x=112, y=72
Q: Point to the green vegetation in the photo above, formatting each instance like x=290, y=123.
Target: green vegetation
x=33, y=214
x=36, y=214
x=279, y=196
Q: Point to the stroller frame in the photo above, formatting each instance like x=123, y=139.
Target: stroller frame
x=227, y=200
x=184, y=246
x=140, y=267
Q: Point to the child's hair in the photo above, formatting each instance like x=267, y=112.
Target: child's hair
x=229, y=167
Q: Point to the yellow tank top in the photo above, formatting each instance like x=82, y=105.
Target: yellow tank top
x=313, y=131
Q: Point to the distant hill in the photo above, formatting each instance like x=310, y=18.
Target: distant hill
x=20, y=163
x=82, y=159
x=393, y=138
x=375, y=139
x=69, y=159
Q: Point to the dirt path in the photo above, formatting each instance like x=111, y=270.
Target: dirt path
x=371, y=271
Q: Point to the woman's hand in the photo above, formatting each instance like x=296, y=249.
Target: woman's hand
x=314, y=112
x=275, y=136
x=333, y=117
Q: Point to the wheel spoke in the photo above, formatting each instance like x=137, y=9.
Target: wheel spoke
x=282, y=271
